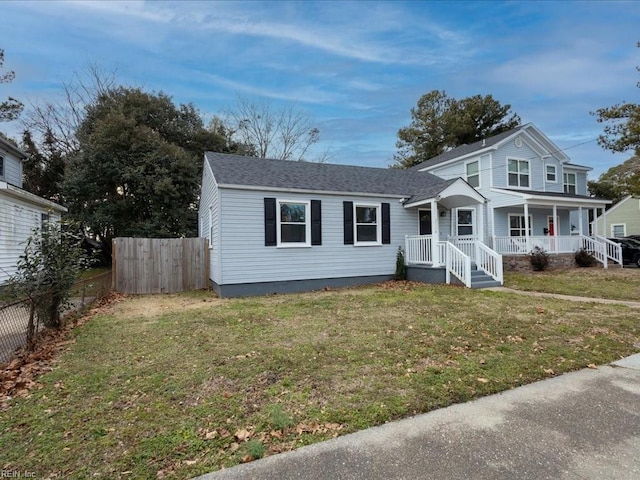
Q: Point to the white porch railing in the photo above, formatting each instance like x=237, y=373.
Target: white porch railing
x=489, y=261
x=456, y=258
x=549, y=243
x=601, y=248
x=457, y=263
x=613, y=250
x=418, y=250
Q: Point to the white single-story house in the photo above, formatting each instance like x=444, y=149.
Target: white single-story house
x=281, y=226
x=20, y=211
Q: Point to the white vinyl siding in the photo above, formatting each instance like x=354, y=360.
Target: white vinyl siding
x=209, y=221
x=11, y=169
x=245, y=259
x=17, y=221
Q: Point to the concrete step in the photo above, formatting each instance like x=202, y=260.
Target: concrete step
x=485, y=283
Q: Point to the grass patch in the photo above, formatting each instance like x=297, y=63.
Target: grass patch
x=173, y=386
x=612, y=283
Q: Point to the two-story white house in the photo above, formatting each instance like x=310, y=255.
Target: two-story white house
x=535, y=195
x=281, y=226
x=20, y=211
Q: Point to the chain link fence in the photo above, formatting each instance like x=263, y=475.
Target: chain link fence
x=14, y=316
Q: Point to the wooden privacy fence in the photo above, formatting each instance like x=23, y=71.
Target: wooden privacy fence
x=160, y=265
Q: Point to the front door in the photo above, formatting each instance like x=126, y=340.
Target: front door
x=550, y=226
x=425, y=222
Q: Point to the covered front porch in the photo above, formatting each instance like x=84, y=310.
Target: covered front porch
x=555, y=223
x=432, y=246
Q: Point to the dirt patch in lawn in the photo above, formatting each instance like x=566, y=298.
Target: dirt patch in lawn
x=157, y=305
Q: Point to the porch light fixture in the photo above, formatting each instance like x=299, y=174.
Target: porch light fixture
x=443, y=213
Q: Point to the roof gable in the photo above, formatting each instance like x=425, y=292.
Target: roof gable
x=537, y=140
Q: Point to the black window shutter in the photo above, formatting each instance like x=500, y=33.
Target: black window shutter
x=316, y=222
x=347, y=208
x=270, y=222
x=386, y=224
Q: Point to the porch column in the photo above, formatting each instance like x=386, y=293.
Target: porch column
x=555, y=227
x=594, y=230
x=492, y=217
x=435, y=233
x=526, y=225
x=580, y=220
x=481, y=223
x=604, y=222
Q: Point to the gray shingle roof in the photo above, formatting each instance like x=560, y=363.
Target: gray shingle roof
x=268, y=173
x=463, y=150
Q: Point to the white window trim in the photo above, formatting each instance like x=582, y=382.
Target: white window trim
x=466, y=174
x=307, y=222
x=473, y=222
x=521, y=216
x=528, y=174
x=624, y=228
x=555, y=173
x=378, y=207
x=565, y=183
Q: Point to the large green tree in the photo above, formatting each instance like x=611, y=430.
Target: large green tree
x=137, y=168
x=10, y=108
x=44, y=171
x=440, y=123
x=621, y=126
x=619, y=181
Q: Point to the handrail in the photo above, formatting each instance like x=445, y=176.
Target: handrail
x=489, y=262
x=457, y=263
x=596, y=248
x=613, y=249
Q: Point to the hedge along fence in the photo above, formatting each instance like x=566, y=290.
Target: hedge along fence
x=160, y=265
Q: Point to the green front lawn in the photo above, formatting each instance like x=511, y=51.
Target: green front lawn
x=173, y=386
x=612, y=283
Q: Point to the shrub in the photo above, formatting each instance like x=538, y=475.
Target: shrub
x=584, y=258
x=539, y=259
x=401, y=266
x=46, y=272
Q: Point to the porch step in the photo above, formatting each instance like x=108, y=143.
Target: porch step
x=479, y=279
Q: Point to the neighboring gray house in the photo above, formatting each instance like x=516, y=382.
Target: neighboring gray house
x=20, y=211
x=276, y=225
x=621, y=220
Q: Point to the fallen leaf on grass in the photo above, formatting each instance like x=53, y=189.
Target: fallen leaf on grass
x=483, y=380
x=593, y=365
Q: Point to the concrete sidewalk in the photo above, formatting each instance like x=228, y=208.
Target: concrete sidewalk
x=571, y=298
x=581, y=425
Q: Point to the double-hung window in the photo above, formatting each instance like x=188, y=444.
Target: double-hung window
x=517, y=226
x=465, y=221
x=294, y=227
x=570, y=183
x=367, y=224
x=551, y=173
x=473, y=174
x=518, y=172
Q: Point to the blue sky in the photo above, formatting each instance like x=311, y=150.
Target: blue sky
x=355, y=68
